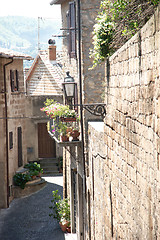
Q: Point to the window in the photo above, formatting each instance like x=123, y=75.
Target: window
x=14, y=80
x=71, y=26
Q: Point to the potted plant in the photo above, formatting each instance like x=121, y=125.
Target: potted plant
x=62, y=111
x=63, y=132
x=34, y=169
x=33, y=174
x=75, y=134
x=61, y=210
x=61, y=115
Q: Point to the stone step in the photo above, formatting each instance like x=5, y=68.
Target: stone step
x=43, y=164
x=50, y=168
x=48, y=160
x=49, y=165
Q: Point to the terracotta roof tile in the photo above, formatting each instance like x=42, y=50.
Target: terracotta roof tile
x=8, y=53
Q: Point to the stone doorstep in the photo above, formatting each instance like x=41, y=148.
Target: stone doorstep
x=31, y=187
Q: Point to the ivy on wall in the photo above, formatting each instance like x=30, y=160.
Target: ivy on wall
x=117, y=22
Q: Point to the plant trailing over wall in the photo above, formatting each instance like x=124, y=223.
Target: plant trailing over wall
x=118, y=21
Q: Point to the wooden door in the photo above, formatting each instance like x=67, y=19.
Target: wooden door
x=46, y=145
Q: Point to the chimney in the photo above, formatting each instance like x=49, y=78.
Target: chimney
x=52, y=51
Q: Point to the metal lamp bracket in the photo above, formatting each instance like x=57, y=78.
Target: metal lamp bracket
x=97, y=109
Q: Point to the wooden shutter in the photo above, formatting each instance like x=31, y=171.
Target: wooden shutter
x=17, y=81
x=72, y=28
x=68, y=31
x=20, y=160
x=12, y=80
x=10, y=140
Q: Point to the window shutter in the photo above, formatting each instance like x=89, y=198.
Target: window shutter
x=10, y=140
x=12, y=80
x=17, y=80
x=72, y=28
x=68, y=35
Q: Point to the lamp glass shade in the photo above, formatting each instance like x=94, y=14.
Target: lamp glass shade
x=69, y=89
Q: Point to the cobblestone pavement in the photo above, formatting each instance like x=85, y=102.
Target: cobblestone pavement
x=28, y=218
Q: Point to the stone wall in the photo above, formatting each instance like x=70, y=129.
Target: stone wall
x=16, y=119
x=124, y=177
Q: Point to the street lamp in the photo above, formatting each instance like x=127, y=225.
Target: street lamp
x=70, y=92
x=69, y=86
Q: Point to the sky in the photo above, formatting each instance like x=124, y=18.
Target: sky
x=30, y=8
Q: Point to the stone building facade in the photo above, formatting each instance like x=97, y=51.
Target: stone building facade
x=43, y=81
x=76, y=60
x=13, y=150
x=124, y=173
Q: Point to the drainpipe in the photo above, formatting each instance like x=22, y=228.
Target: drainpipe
x=80, y=87
x=6, y=118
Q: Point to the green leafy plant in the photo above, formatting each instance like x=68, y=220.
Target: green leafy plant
x=33, y=173
x=118, y=21
x=60, y=163
x=34, y=166
x=60, y=208
x=20, y=179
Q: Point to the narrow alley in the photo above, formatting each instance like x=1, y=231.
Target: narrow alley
x=28, y=218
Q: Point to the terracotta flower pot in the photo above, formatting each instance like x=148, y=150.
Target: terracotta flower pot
x=75, y=134
x=33, y=177
x=68, y=229
x=64, y=138
x=63, y=226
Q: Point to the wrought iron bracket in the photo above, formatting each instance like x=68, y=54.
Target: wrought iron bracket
x=97, y=109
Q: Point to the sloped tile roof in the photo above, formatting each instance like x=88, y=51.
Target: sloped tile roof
x=45, y=77
x=8, y=53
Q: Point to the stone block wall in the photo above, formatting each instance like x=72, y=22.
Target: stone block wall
x=125, y=174
x=16, y=118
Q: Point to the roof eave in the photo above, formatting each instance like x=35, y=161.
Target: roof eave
x=57, y=2
x=3, y=55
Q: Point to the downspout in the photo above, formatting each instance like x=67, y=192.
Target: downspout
x=80, y=87
x=6, y=118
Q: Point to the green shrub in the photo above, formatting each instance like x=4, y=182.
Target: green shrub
x=33, y=167
x=20, y=179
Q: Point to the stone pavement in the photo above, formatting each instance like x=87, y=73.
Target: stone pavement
x=28, y=218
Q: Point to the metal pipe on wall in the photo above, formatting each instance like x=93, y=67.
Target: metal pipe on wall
x=80, y=91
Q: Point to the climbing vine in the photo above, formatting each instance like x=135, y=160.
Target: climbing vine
x=117, y=22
